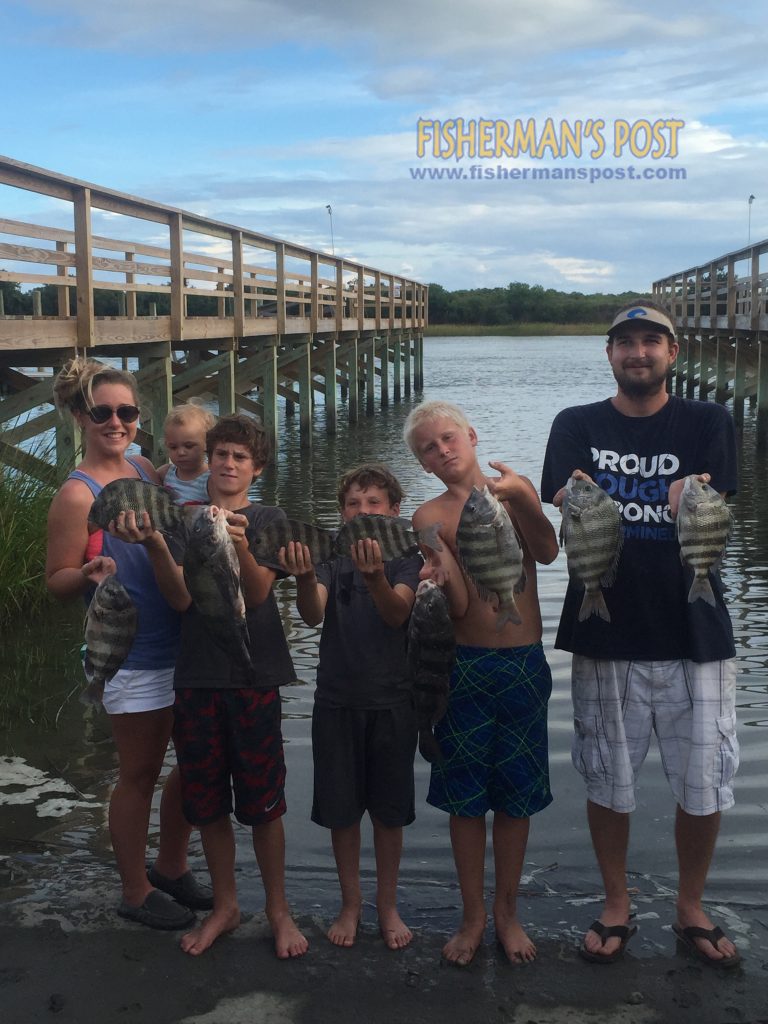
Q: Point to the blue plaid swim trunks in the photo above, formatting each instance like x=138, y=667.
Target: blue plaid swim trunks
x=494, y=735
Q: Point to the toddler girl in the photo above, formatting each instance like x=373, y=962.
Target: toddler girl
x=184, y=433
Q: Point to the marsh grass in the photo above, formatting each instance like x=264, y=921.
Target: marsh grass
x=41, y=670
x=23, y=514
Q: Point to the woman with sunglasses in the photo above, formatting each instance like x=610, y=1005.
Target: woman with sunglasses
x=104, y=401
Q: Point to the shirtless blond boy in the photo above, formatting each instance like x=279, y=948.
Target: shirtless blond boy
x=494, y=735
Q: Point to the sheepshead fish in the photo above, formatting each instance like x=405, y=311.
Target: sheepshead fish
x=704, y=526
x=266, y=544
x=137, y=496
x=431, y=657
x=212, y=575
x=591, y=533
x=395, y=535
x=110, y=627
x=490, y=553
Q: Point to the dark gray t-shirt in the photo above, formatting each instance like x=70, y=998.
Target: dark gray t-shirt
x=203, y=663
x=362, y=659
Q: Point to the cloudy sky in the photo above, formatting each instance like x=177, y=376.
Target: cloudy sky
x=262, y=113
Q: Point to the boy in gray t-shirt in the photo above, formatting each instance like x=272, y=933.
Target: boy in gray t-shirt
x=363, y=724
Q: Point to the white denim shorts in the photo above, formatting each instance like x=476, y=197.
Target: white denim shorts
x=692, y=709
x=138, y=689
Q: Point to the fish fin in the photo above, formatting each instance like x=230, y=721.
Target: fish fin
x=507, y=613
x=519, y=587
x=429, y=748
x=594, y=604
x=608, y=577
x=429, y=536
x=701, y=588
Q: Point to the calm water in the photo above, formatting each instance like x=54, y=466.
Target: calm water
x=511, y=389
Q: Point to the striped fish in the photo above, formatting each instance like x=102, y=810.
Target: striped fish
x=490, y=553
x=137, y=496
x=110, y=627
x=212, y=575
x=591, y=532
x=395, y=535
x=266, y=543
x=704, y=527
x=431, y=657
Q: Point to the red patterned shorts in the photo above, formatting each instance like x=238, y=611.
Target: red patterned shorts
x=229, y=741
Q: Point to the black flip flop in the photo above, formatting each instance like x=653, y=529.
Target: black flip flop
x=686, y=937
x=623, y=932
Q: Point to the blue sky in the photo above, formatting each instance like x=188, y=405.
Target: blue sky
x=259, y=113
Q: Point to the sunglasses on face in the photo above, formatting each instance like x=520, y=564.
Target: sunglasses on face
x=103, y=413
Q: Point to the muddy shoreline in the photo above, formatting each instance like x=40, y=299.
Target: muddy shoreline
x=67, y=957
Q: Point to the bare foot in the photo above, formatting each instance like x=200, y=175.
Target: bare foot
x=514, y=941
x=343, y=931
x=289, y=941
x=394, y=931
x=695, y=917
x=461, y=947
x=217, y=923
x=610, y=917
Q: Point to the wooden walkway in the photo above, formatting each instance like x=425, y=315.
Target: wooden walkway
x=204, y=307
x=721, y=312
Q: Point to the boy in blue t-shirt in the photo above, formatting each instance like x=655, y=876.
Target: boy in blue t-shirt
x=364, y=727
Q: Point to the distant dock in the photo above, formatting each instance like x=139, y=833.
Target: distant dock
x=721, y=315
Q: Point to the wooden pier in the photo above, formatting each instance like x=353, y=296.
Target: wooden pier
x=720, y=311
x=203, y=307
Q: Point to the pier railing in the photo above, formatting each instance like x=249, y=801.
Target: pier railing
x=205, y=307
x=720, y=310
x=261, y=285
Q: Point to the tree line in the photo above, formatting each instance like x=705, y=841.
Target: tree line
x=521, y=303
x=516, y=303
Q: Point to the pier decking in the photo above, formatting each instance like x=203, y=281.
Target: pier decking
x=206, y=308
x=721, y=313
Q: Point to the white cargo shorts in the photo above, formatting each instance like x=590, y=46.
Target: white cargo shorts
x=692, y=709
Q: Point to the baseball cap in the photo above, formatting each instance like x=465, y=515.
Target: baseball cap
x=645, y=315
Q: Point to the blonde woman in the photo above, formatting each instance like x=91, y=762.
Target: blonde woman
x=104, y=402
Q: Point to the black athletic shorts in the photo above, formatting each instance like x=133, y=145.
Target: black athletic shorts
x=363, y=762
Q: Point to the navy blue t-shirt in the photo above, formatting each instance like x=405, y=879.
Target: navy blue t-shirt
x=635, y=459
x=362, y=660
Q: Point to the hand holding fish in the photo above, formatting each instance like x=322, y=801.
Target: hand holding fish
x=676, y=490
x=577, y=474
x=296, y=559
x=132, y=527
x=236, y=524
x=99, y=568
x=366, y=554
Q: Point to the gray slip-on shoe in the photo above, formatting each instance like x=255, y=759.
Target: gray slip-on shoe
x=185, y=890
x=157, y=911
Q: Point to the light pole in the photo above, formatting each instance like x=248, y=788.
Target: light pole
x=749, y=217
x=330, y=214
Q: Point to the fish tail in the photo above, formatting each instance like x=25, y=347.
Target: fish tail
x=92, y=694
x=429, y=748
x=507, y=613
x=594, y=604
x=701, y=588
